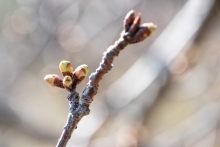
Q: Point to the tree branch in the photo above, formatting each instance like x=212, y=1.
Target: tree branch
x=132, y=33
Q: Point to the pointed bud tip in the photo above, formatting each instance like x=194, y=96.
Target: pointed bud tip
x=131, y=12
x=138, y=18
x=130, y=15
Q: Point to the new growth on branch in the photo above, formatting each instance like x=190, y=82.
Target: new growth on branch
x=133, y=33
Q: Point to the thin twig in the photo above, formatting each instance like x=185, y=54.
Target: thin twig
x=132, y=33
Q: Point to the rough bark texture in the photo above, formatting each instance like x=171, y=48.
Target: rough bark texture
x=79, y=107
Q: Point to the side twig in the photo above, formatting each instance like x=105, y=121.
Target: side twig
x=132, y=33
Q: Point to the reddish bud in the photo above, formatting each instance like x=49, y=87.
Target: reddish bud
x=53, y=80
x=129, y=18
x=135, y=25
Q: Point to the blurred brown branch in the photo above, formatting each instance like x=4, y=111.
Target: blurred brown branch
x=132, y=33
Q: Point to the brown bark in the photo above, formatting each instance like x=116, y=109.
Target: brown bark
x=79, y=107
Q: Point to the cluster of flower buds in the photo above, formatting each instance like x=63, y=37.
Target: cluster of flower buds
x=70, y=76
x=133, y=31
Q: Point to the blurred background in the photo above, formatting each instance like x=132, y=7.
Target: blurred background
x=163, y=92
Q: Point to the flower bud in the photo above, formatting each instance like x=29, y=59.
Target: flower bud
x=129, y=18
x=66, y=68
x=67, y=82
x=143, y=32
x=151, y=27
x=81, y=71
x=135, y=25
x=53, y=80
